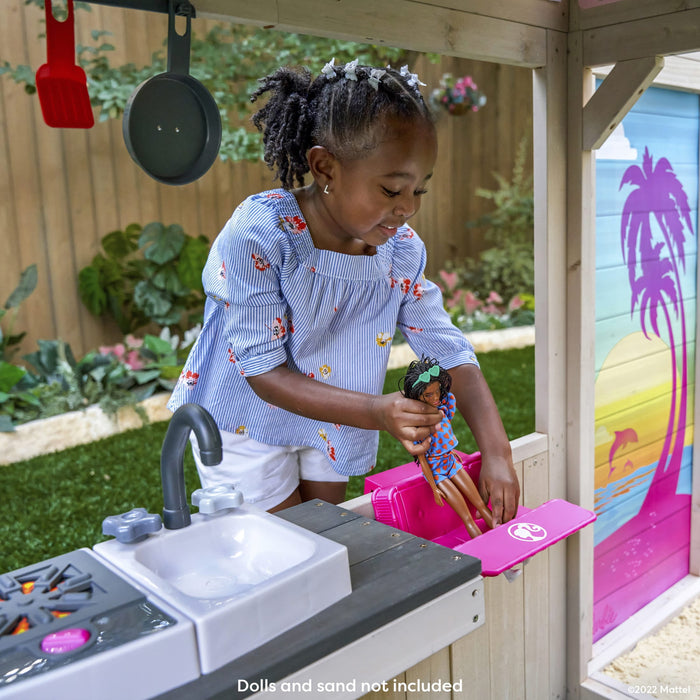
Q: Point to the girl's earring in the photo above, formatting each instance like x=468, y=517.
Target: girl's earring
x=325, y=189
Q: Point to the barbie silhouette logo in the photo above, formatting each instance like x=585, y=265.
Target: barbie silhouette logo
x=527, y=532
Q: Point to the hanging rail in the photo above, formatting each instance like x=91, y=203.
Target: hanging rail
x=150, y=5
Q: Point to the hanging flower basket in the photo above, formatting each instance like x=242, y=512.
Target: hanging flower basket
x=457, y=96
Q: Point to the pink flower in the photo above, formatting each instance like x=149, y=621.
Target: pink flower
x=471, y=303
x=133, y=342
x=449, y=278
x=515, y=303
x=133, y=361
x=117, y=350
x=494, y=298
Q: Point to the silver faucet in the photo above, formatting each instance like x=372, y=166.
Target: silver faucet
x=190, y=416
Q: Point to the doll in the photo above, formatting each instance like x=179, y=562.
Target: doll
x=426, y=381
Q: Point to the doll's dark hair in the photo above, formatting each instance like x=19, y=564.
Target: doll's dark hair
x=412, y=387
x=343, y=114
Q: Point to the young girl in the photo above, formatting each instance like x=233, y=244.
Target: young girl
x=306, y=286
x=426, y=381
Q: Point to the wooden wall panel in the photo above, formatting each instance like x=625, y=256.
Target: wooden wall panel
x=61, y=191
x=507, y=657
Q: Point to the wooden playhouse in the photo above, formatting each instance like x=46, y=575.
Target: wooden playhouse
x=615, y=384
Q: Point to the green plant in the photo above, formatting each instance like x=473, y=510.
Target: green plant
x=507, y=266
x=9, y=340
x=146, y=275
x=57, y=383
x=16, y=399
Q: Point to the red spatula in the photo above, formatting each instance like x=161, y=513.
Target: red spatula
x=61, y=84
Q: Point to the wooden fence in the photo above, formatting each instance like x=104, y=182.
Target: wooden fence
x=62, y=190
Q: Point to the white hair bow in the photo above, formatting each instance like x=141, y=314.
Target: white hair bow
x=375, y=75
x=411, y=78
x=350, y=69
x=328, y=70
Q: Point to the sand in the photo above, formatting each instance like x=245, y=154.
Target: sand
x=667, y=663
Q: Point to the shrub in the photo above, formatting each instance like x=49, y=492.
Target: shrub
x=147, y=275
x=507, y=267
x=111, y=377
x=9, y=340
x=469, y=312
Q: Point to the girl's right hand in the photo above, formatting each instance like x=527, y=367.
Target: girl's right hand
x=411, y=422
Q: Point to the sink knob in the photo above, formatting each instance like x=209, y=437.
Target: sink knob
x=133, y=526
x=216, y=498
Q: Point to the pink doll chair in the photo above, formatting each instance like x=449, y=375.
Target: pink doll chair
x=403, y=499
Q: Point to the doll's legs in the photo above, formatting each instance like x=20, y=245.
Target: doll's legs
x=456, y=501
x=469, y=490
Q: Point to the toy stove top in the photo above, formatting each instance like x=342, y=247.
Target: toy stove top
x=68, y=609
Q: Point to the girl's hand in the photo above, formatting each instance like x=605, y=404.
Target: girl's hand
x=410, y=422
x=498, y=483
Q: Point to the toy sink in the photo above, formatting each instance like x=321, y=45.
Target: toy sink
x=242, y=576
x=401, y=497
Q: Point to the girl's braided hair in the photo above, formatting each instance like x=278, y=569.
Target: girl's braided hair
x=331, y=110
x=412, y=387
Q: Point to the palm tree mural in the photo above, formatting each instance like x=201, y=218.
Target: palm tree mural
x=649, y=552
x=655, y=284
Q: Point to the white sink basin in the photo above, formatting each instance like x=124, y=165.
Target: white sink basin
x=243, y=576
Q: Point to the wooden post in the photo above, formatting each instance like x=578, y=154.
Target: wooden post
x=580, y=336
x=549, y=165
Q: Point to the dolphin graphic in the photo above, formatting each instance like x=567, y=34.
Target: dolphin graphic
x=622, y=439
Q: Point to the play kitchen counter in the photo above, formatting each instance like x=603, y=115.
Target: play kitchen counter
x=77, y=626
x=410, y=597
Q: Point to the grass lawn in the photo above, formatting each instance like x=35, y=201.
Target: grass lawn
x=56, y=503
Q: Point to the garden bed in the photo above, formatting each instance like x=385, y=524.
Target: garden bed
x=75, y=428
x=80, y=427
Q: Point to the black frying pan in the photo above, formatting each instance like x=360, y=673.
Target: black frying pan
x=171, y=124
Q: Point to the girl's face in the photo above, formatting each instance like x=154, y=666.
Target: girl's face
x=431, y=395
x=373, y=196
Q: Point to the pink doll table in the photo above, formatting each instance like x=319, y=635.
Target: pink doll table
x=403, y=499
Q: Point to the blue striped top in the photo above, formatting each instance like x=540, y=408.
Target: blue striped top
x=272, y=297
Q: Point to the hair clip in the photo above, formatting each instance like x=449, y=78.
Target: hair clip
x=329, y=69
x=350, y=69
x=411, y=78
x=375, y=75
x=424, y=377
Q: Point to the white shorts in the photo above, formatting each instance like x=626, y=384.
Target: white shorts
x=265, y=474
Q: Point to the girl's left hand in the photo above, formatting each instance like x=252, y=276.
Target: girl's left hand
x=498, y=483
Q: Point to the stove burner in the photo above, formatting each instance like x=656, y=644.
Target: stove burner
x=62, y=609
x=36, y=597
